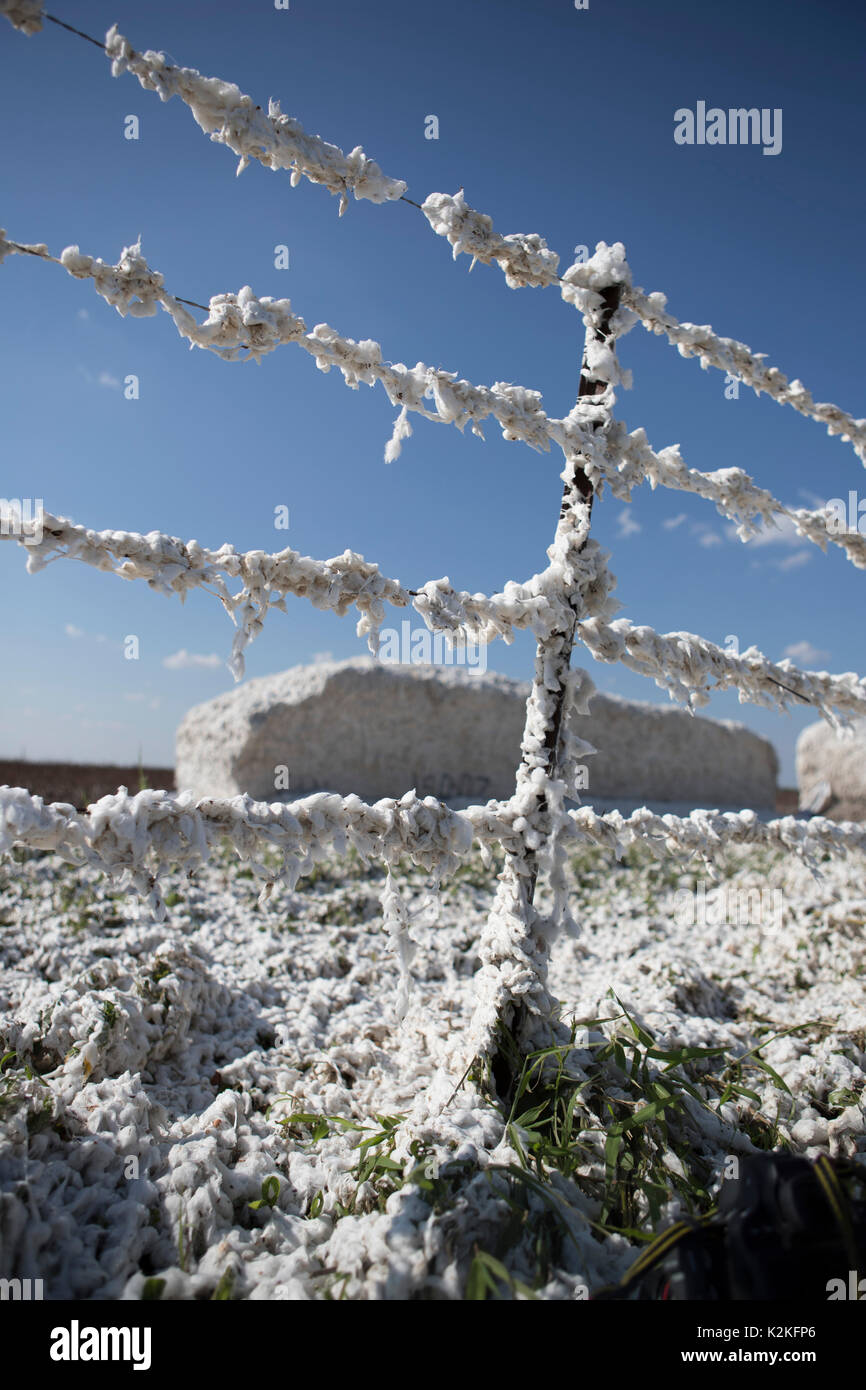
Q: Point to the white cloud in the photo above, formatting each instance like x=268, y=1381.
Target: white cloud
x=139, y=698
x=83, y=314
x=804, y=653
x=705, y=536
x=104, y=378
x=812, y=498
x=783, y=533
x=320, y=657
x=72, y=631
x=184, y=660
x=627, y=525
x=672, y=522
x=796, y=561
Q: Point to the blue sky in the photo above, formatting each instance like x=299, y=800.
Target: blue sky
x=554, y=121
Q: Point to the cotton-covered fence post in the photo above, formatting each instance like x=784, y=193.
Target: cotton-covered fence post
x=511, y=983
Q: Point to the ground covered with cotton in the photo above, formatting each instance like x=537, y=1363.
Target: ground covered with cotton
x=225, y=1105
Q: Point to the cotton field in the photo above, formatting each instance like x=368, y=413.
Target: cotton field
x=149, y=1145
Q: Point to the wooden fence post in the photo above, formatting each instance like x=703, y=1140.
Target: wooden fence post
x=512, y=979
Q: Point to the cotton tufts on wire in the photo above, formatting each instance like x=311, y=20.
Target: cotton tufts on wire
x=24, y=15
x=135, y=838
x=230, y=118
x=172, y=566
x=244, y=327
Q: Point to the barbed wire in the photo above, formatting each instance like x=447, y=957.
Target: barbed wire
x=570, y=600
x=525, y=259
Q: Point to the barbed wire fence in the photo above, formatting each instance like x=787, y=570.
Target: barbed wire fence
x=137, y=838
